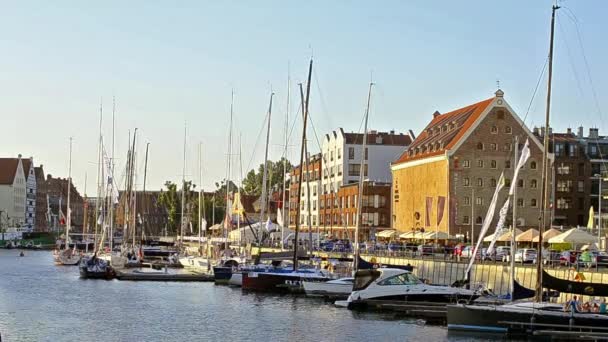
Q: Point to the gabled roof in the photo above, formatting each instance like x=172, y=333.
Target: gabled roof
x=27, y=163
x=8, y=169
x=444, y=132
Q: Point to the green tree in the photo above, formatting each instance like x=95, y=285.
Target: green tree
x=168, y=199
x=252, y=184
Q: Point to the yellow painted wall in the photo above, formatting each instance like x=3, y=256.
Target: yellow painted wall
x=414, y=184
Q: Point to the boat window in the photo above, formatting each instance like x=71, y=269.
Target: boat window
x=365, y=277
x=401, y=279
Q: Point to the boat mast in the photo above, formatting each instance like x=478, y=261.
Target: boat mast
x=99, y=167
x=238, y=217
x=183, y=219
x=134, y=190
x=145, y=199
x=111, y=206
x=228, y=214
x=361, y=180
x=545, y=188
x=285, y=162
x=200, y=193
x=302, y=149
x=265, y=174
x=514, y=220
x=68, y=224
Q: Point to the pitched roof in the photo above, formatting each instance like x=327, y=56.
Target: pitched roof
x=8, y=169
x=443, y=132
x=27, y=163
x=378, y=138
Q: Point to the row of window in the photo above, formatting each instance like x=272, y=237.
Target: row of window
x=375, y=201
x=351, y=154
x=532, y=184
x=567, y=186
x=520, y=201
x=494, y=164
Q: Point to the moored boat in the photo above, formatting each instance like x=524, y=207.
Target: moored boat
x=335, y=289
x=283, y=281
x=92, y=267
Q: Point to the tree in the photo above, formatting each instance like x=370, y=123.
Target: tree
x=169, y=201
x=252, y=184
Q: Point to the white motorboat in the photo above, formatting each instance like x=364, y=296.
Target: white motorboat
x=196, y=263
x=339, y=288
x=386, y=287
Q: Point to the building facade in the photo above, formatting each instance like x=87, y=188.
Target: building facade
x=446, y=179
x=30, y=193
x=12, y=193
x=311, y=182
x=41, y=218
x=57, y=190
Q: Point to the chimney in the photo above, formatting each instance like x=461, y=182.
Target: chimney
x=436, y=114
x=580, y=132
x=569, y=131
x=412, y=135
x=19, y=155
x=392, y=131
x=542, y=131
x=593, y=133
x=535, y=131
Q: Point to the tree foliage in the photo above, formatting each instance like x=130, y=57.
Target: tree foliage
x=252, y=184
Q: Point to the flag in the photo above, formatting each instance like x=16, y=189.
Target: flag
x=237, y=206
x=280, y=217
x=590, y=223
x=440, y=208
x=525, y=154
x=487, y=221
x=100, y=220
x=499, y=226
x=203, y=225
x=429, y=208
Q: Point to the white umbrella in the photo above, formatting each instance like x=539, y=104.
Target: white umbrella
x=438, y=236
x=386, y=233
x=574, y=236
x=547, y=235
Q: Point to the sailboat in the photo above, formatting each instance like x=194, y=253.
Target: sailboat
x=536, y=317
x=68, y=257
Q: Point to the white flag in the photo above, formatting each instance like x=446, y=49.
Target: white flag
x=499, y=226
x=487, y=221
x=279, y=217
x=525, y=154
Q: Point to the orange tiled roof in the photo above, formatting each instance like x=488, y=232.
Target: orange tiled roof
x=8, y=168
x=443, y=132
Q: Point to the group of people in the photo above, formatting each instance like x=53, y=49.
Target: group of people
x=574, y=306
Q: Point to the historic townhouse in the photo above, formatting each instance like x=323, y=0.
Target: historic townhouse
x=446, y=178
x=12, y=193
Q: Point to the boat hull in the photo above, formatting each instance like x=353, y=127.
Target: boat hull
x=494, y=319
x=327, y=289
x=236, y=279
x=222, y=274
x=107, y=273
x=276, y=282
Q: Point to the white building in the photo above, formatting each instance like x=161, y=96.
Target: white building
x=312, y=181
x=30, y=193
x=341, y=154
x=12, y=193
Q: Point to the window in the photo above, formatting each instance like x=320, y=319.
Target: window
x=366, y=153
x=465, y=220
x=466, y=181
x=479, y=163
x=520, y=183
x=479, y=201
x=493, y=164
x=401, y=279
x=339, y=153
x=493, y=147
x=564, y=203
x=508, y=130
x=507, y=164
x=493, y=182
x=331, y=156
x=533, y=165
x=507, y=182
x=581, y=169
x=520, y=202
x=507, y=147
x=564, y=186
x=581, y=203
x=479, y=182
x=467, y=200
x=494, y=130
x=581, y=186
x=533, y=184
x=351, y=153
x=593, y=150
x=466, y=163
x=478, y=220
x=480, y=146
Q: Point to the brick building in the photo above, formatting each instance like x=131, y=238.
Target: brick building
x=57, y=190
x=42, y=217
x=446, y=178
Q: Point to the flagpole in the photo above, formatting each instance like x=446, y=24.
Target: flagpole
x=514, y=220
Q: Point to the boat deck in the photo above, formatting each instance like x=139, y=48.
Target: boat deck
x=158, y=276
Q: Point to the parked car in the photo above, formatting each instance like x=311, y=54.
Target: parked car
x=551, y=257
x=501, y=253
x=467, y=252
x=602, y=259
x=524, y=255
x=425, y=250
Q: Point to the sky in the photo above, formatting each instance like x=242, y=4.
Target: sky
x=171, y=65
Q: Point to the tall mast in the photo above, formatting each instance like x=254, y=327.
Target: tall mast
x=302, y=149
x=183, y=220
x=111, y=206
x=309, y=223
x=265, y=174
x=238, y=216
x=545, y=188
x=131, y=192
x=361, y=180
x=68, y=224
x=514, y=220
x=285, y=161
x=85, y=229
x=200, y=193
x=99, y=168
x=228, y=215
x=145, y=198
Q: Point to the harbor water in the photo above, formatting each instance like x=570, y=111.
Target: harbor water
x=43, y=302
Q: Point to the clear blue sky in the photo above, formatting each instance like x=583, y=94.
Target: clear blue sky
x=170, y=63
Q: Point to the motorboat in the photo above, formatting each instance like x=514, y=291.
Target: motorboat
x=236, y=279
x=196, y=263
x=385, y=287
x=339, y=288
x=281, y=280
x=92, y=267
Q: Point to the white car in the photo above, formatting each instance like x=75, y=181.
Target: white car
x=524, y=255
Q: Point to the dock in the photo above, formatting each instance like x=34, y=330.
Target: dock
x=161, y=276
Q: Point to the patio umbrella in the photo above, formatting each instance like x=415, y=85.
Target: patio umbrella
x=527, y=236
x=438, y=236
x=574, y=236
x=506, y=237
x=387, y=234
x=547, y=235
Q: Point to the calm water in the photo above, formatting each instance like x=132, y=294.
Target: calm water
x=43, y=302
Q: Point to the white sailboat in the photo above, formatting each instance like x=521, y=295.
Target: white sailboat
x=68, y=257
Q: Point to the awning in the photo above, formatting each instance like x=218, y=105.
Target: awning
x=527, y=236
x=386, y=233
x=506, y=237
x=548, y=235
x=438, y=236
x=574, y=236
